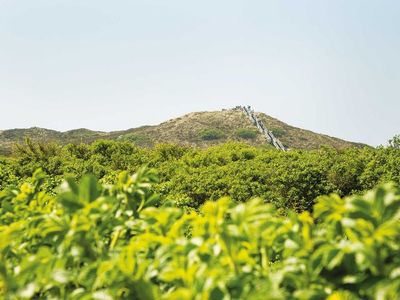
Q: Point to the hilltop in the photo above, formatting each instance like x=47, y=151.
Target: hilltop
x=199, y=129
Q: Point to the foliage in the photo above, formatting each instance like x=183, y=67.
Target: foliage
x=137, y=139
x=93, y=241
x=395, y=142
x=247, y=134
x=278, y=132
x=211, y=134
x=191, y=176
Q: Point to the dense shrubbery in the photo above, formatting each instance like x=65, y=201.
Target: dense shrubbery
x=94, y=241
x=190, y=176
x=211, y=134
x=247, y=134
x=137, y=237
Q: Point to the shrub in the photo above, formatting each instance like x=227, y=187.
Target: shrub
x=137, y=139
x=211, y=134
x=247, y=134
x=278, y=132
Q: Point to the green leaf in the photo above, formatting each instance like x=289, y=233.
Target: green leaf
x=88, y=189
x=70, y=201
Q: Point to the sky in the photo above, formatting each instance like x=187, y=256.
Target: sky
x=328, y=66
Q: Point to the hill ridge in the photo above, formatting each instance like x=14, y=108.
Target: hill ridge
x=198, y=129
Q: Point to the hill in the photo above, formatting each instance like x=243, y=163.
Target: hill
x=200, y=129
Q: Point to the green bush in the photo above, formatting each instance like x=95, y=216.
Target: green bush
x=137, y=139
x=93, y=241
x=211, y=134
x=247, y=134
x=278, y=132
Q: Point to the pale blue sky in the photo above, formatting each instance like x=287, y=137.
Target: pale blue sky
x=328, y=66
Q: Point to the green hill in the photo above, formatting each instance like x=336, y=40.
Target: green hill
x=200, y=129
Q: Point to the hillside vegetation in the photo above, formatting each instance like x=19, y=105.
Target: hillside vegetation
x=296, y=138
x=200, y=129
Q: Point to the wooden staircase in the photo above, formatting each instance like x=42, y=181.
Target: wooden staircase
x=269, y=136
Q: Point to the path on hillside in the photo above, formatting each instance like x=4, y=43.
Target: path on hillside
x=269, y=136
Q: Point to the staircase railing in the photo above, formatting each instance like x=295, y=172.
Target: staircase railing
x=269, y=136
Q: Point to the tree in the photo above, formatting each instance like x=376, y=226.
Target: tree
x=395, y=142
